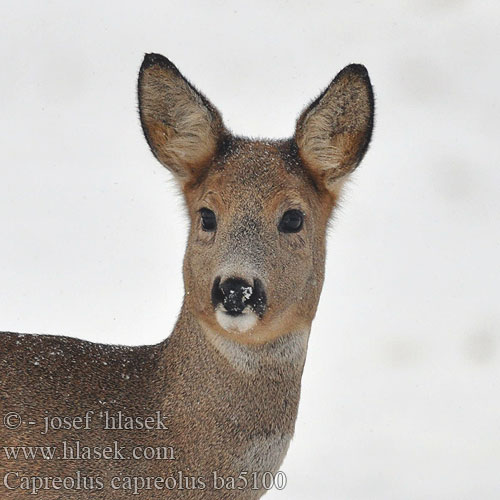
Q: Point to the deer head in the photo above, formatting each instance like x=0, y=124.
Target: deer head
x=255, y=257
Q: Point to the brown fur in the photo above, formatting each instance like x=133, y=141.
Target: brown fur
x=232, y=398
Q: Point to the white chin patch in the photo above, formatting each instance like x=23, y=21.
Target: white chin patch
x=236, y=324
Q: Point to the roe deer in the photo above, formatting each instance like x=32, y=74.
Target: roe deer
x=210, y=411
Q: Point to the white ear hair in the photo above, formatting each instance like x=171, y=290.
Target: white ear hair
x=182, y=128
x=333, y=133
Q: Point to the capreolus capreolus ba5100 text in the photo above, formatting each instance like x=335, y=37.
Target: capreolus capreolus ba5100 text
x=208, y=413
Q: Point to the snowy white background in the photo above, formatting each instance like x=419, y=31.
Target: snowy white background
x=401, y=391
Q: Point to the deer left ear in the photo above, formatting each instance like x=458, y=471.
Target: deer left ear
x=333, y=133
x=181, y=126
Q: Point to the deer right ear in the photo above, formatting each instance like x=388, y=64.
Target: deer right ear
x=333, y=133
x=182, y=128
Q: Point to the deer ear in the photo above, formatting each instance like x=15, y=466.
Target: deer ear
x=182, y=128
x=333, y=133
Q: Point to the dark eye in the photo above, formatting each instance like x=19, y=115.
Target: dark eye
x=208, y=220
x=291, y=222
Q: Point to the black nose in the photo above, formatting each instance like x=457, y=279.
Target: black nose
x=235, y=294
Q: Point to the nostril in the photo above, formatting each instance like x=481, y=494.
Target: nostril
x=259, y=298
x=217, y=295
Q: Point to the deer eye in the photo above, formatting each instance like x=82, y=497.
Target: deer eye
x=291, y=222
x=208, y=220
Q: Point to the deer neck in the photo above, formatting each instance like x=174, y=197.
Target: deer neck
x=283, y=357
x=214, y=375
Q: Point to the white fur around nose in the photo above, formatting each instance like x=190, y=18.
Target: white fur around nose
x=236, y=324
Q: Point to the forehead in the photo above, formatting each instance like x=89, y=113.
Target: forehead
x=258, y=170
